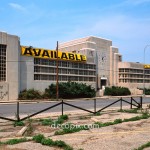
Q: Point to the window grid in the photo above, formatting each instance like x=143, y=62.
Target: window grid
x=45, y=69
x=2, y=62
x=130, y=75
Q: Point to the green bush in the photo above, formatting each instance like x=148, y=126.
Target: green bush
x=117, y=91
x=66, y=90
x=30, y=94
x=71, y=90
x=147, y=91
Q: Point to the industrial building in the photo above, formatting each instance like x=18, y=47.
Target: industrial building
x=91, y=60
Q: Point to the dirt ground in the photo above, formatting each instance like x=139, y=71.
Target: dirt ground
x=123, y=136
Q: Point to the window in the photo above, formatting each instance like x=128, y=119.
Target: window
x=2, y=62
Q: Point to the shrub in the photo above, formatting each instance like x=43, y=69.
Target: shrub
x=30, y=94
x=117, y=91
x=71, y=90
x=147, y=91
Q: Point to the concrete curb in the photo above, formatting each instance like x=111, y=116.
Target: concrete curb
x=51, y=101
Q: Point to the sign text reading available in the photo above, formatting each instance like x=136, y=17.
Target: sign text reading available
x=52, y=54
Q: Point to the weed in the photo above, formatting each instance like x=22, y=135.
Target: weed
x=30, y=127
x=15, y=141
x=108, y=124
x=68, y=148
x=145, y=112
x=18, y=123
x=97, y=114
x=59, y=132
x=117, y=121
x=143, y=146
x=64, y=117
x=47, y=142
x=60, y=143
x=47, y=122
x=99, y=124
x=38, y=138
x=82, y=117
x=129, y=110
x=69, y=128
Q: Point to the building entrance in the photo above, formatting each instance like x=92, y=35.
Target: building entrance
x=103, y=82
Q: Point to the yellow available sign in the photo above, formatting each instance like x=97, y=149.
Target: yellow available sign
x=51, y=54
x=147, y=66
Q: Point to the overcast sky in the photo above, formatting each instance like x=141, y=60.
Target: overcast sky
x=40, y=23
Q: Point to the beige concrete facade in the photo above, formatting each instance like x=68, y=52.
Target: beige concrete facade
x=10, y=88
x=101, y=52
x=109, y=64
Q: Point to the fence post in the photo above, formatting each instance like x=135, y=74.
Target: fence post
x=94, y=106
x=121, y=103
x=131, y=103
x=62, y=108
x=141, y=102
x=18, y=118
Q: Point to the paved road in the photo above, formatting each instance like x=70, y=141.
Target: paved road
x=11, y=109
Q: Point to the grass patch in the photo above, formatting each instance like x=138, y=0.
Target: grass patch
x=129, y=110
x=14, y=141
x=143, y=146
x=61, y=119
x=117, y=121
x=49, y=142
x=70, y=128
x=46, y=122
x=38, y=138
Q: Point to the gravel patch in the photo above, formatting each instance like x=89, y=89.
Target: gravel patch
x=124, y=136
x=31, y=146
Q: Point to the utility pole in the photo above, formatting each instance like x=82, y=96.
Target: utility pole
x=144, y=70
x=57, y=92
